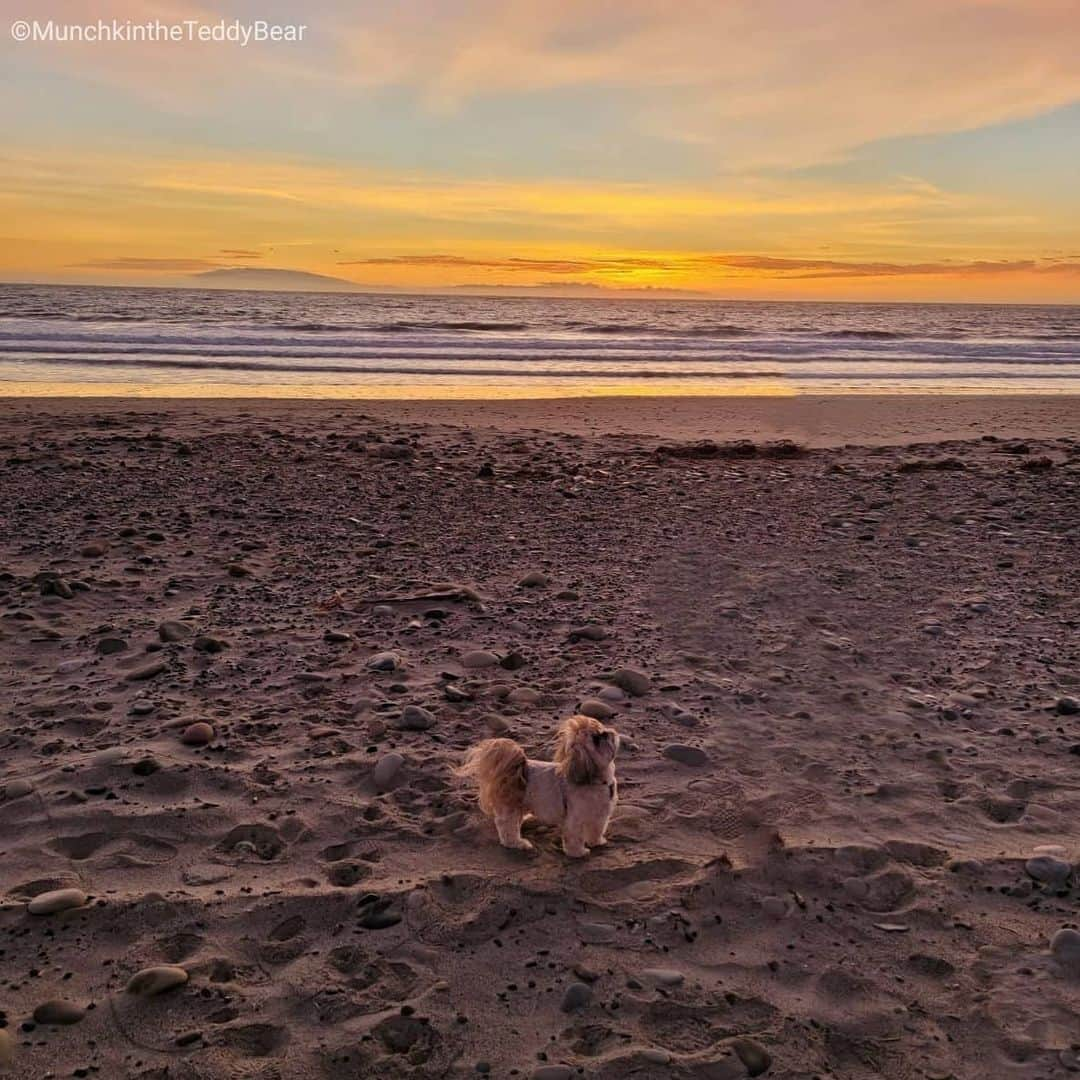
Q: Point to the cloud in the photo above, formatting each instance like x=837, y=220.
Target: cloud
x=760, y=82
x=760, y=265
x=241, y=253
x=151, y=264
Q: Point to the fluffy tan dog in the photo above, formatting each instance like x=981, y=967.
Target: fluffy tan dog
x=577, y=790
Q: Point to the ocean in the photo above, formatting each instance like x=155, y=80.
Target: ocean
x=180, y=341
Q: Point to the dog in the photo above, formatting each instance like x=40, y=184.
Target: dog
x=576, y=791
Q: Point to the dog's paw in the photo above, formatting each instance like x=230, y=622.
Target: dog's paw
x=521, y=845
x=576, y=853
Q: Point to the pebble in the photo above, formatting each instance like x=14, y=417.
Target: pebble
x=147, y=671
x=598, y=710
x=664, y=976
x=415, y=718
x=173, y=630
x=655, y=1057
x=524, y=695
x=597, y=933
x=577, y=996
x=1065, y=947
x=337, y=637
x=142, y=708
x=205, y=643
x=197, y=734
x=238, y=570
x=17, y=789
x=156, y=980
x=479, y=658
x=755, y=1058
x=94, y=551
x=686, y=755
x=1050, y=870
x=58, y=1012
x=1067, y=706
x=588, y=632
x=386, y=771
x=50, y=903
x=107, y=646
x=535, y=580
x=384, y=661
x=633, y=682
x=612, y=693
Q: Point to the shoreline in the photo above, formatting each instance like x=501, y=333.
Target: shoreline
x=816, y=420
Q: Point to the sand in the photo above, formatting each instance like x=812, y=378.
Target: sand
x=232, y=645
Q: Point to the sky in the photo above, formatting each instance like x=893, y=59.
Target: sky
x=803, y=149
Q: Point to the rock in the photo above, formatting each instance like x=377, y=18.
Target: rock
x=17, y=789
x=633, y=682
x=142, y=708
x=479, y=658
x=238, y=570
x=553, y=1072
x=512, y=661
x=415, y=718
x=577, y=996
x=197, y=734
x=384, y=661
x=152, y=981
x=1065, y=948
x=173, y=630
x=146, y=671
x=686, y=755
x=535, y=580
x=336, y=637
x=664, y=976
x=205, y=643
x=392, y=451
x=588, y=632
x=58, y=1012
x=524, y=695
x=94, y=550
x=386, y=771
x=598, y=710
x=1067, y=706
x=753, y=1055
x=50, y=903
x=107, y=646
x=596, y=933
x=1050, y=870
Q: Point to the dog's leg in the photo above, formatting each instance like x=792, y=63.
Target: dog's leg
x=594, y=833
x=508, y=825
x=573, y=837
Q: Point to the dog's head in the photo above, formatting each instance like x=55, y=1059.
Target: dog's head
x=584, y=748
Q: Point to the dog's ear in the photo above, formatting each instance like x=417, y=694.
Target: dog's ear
x=572, y=754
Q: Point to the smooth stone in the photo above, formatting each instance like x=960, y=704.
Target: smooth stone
x=197, y=734
x=93, y=551
x=174, y=630
x=535, y=580
x=588, y=632
x=612, y=693
x=598, y=710
x=384, y=661
x=1049, y=870
x=755, y=1058
x=142, y=708
x=17, y=789
x=686, y=755
x=205, y=643
x=633, y=682
x=1067, y=706
x=553, y=1072
x=664, y=976
x=111, y=756
x=58, y=1012
x=479, y=658
x=655, y=1057
x=577, y=996
x=147, y=671
x=386, y=771
x=524, y=695
x=108, y=646
x=415, y=718
x=50, y=903
x=1065, y=947
x=156, y=980
x=596, y=933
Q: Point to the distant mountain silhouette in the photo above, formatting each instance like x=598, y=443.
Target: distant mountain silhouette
x=270, y=279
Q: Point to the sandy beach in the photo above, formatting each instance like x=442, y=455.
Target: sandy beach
x=243, y=644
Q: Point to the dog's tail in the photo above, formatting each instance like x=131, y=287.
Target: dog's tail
x=498, y=768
